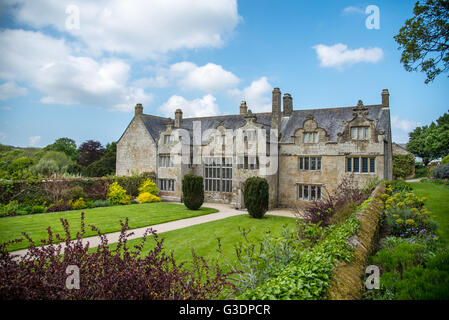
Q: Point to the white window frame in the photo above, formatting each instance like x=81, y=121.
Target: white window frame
x=309, y=192
x=310, y=137
x=360, y=133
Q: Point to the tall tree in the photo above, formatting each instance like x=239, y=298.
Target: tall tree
x=424, y=39
x=66, y=145
x=430, y=142
x=89, y=152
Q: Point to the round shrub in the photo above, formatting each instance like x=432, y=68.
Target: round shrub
x=117, y=195
x=441, y=172
x=193, y=191
x=403, y=165
x=78, y=204
x=146, y=197
x=148, y=186
x=255, y=192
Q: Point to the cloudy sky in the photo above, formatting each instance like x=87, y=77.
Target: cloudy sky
x=77, y=68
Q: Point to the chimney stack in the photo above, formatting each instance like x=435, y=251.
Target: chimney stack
x=138, y=110
x=385, y=98
x=288, y=104
x=276, y=109
x=178, y=118
x=243, y=108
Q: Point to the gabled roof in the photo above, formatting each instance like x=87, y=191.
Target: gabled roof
x=330, y=119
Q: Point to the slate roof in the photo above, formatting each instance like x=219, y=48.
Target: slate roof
x=330, y=119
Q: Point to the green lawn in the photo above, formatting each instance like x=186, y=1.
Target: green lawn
x=437, y=203
x=203, y=237
x=107, y=219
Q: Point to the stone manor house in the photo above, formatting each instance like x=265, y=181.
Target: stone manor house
x=313, y=149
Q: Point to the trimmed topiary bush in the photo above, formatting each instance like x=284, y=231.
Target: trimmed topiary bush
x=193, y=191
x=256, y=196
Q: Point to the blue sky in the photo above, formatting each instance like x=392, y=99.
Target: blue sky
x=61, y=78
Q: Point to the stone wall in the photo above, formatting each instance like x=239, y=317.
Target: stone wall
x=346, y=283
x=136, y=150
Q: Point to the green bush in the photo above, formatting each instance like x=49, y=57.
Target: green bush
x=421, y=170
x=149, y=186
x=117, y=195
x=445, y=159
x=10, y=208
x=403, y=165
x=441, y=172
x=193, y=191
x=255, y=192
x=132, y=183
x=101, y=203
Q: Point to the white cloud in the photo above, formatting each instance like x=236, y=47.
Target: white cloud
x=2, y=136
x=352, y=9
x=339, y=55
x=50, y=66
x=201, y=107
x=209, y=78
x=403, y=124
x=32, y=141
x=140, y=28
x=257, y=95
x=10, y=89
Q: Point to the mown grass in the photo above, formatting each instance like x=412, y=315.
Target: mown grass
x=437, y=203
x=107, y=219
x=203, y=238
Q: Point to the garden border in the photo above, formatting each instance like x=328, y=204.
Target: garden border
x=346, y=283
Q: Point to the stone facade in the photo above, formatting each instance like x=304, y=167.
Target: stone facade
x=314, y=150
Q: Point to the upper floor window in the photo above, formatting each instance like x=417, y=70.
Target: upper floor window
x=361, y=164
x=359, y=133
x=169, y=139
x=310, y=137
x=249, y=162
x=165, y=161
x=309, y=163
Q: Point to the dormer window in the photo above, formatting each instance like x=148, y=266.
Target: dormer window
x=360, y=133
x=169, y=139
x=310, y=137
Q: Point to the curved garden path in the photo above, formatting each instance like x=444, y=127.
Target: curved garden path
x=225, y=211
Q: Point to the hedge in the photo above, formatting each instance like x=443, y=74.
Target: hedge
x=403, y=165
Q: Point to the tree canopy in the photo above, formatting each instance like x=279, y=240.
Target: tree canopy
x=424, y=39
x=430, y=142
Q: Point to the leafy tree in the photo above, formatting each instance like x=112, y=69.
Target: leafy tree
x=66, y=145
x=105, y=165
x=424, y=39
x=430, y=142
x=89, y=152
x=20, y=164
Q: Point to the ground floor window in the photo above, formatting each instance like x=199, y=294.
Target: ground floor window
x=361, y=164
x=167, y=184
x=309, y=192
x=218, y=174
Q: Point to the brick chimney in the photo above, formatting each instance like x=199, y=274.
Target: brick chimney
x=288, y=104
x=243, y=108
x=178, y=118
x=138, y=110
x=385, y=98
